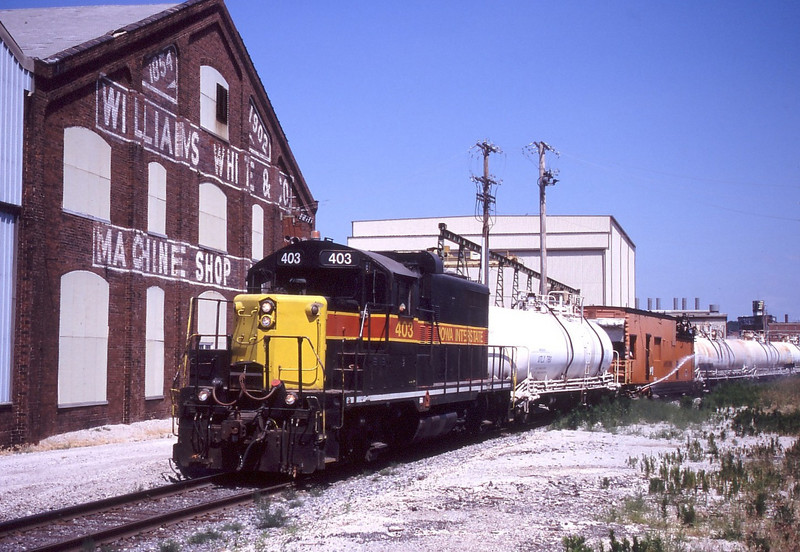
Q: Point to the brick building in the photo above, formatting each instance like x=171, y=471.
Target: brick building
x=153, y=170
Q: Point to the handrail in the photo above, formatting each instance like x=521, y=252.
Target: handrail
x=300, y=339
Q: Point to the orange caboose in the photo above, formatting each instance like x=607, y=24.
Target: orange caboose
x=653, y=352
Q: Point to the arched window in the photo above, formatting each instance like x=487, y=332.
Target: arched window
x=87, y=173
x=213, y=101
x=156, y=199
x=212, y=320
x=258, y=232
x=154, y=344
x=82, y=339
x=213, y=217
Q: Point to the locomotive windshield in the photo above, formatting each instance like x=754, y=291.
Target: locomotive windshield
x=321, y=281
x=347, y=277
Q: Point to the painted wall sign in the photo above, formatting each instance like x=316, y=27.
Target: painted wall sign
x=260, y=142
x=131, y=250
x=130, y=116
x=161, y=74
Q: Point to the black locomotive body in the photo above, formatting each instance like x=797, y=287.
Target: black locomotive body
x=335, y=354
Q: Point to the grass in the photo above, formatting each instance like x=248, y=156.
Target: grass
x=610, y=415
x=268, y=517
x=711, y=487
x=169, y=546
x=205, y=536
x=650, y=543
x=292, y=500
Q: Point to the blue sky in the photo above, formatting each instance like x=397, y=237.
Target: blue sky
x=681, y=119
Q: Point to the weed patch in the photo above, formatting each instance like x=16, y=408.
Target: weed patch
x=268, y=517
x=205, y=536
x=710, y=486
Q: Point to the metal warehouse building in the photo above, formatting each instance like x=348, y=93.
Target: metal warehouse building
x=142, y=165
x=590, y=253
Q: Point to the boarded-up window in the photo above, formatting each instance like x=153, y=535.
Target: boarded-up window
x=82, y=339
x=87, y=173
x=157, y=199
x=258, y=232
x=7, y=273
x=213, y=101
x=213, y=219
x=222, y=104
x=154, y=344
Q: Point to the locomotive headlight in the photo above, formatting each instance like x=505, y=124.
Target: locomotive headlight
x=203, y=394
x=267, y=306
x=313, y=310
x=266, y=321
x=290, y=399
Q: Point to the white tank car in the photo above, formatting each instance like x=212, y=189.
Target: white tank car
x=736, y=358
x=789, y=353
x=547, y=342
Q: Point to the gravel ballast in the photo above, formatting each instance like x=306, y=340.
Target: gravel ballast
x=519, y=491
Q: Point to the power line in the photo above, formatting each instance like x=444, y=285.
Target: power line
x=546, y=178
x=486, y=199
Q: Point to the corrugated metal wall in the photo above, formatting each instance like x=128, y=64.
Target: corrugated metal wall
x=14, y=83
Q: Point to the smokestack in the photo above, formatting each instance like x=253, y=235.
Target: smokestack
x=786, y=318
x=696, y=303
x=683, y=303
x=649, y=303
x=674, y=303
x=658, y=303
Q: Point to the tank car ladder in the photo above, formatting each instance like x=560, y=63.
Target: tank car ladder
x=587, y=366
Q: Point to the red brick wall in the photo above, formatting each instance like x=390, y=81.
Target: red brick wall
x=53, y=242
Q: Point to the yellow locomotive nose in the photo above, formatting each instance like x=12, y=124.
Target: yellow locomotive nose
x=285, y=334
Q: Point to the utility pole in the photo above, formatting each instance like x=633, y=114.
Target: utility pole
x=546, y=178
x=485, y=197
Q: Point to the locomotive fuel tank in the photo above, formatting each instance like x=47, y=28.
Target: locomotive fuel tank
x=548, y=343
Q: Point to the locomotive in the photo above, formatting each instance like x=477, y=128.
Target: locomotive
x=336, y=354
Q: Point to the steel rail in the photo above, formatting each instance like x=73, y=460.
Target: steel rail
x=140, y=526
x=37, y=520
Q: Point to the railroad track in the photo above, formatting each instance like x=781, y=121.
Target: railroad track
x=115, y=518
